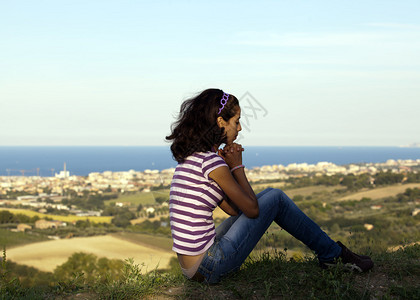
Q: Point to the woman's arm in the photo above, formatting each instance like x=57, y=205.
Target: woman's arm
x=239, y=175
x=232, y=154
x=228, y=207
x=247, y=204
x=236, y=185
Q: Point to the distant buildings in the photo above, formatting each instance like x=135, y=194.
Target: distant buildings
x=44, y=224
x=63, y=174
x=133, y=181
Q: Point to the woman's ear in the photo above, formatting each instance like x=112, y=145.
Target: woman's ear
x=220, y=122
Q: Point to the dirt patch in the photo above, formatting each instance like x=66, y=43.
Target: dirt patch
x=379, y=281
x=46, y=256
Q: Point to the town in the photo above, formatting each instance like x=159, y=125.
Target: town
x=39, y=193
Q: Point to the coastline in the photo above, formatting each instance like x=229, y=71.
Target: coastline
x=45, y=161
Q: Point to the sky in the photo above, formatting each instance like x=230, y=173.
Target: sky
x=307, y=73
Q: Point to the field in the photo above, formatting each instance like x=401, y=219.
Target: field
x=143, y=198
x=159, y=242
x=45, y=256
x=154, y=250
x=32, y=213
x=379, y=193
x=11, y=239
x=312, y=190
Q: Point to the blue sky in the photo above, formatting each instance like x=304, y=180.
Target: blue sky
x=115, y=72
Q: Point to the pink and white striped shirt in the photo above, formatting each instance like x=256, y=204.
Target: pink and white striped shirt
x=192, y=199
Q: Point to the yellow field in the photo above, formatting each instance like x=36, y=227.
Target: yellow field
x=46, y=256
x=31, y=213
x=379, y=193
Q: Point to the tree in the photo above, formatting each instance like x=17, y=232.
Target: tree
x=83, y=224
x=383, y=178
x=7, y=217
x=121, y=221
x=91, y=268
x=122, y=216
x=160, y=200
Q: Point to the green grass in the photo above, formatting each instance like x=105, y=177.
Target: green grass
x=10, y=239
x=143, y=198
x=396, y=275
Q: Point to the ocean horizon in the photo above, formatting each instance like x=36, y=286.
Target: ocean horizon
x=82, y=160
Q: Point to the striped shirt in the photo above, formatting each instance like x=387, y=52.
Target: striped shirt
x=192, y=199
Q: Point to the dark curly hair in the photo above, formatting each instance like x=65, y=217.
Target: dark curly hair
x=196, y=129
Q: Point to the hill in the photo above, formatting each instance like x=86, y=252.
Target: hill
x=47, y=255
x=396, y=275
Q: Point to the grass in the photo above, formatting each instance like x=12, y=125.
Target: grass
x=12, y=239
x=396, y=275
x=143, y=198
x=311, y=190
x=31, y=213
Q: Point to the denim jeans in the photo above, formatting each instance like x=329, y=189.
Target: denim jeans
x=237, y=236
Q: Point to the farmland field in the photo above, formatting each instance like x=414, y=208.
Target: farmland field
x=46, y=256
x=11, y=239
x=311, y=190
x=379, y=193
x=142, y=198
x=153, y=241
x=31, y=213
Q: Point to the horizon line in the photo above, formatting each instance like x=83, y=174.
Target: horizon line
x=413, y=145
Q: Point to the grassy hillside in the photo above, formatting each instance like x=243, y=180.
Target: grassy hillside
x=270, y=272
x=396, y=275
x=46, y=256
x=13, y=239
x=143, y=198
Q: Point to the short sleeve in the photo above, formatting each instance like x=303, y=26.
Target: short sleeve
x=212, y=162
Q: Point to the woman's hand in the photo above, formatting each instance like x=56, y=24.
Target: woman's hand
x=232, y=154
x=235, y=185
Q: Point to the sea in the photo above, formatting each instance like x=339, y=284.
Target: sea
x=81, y=160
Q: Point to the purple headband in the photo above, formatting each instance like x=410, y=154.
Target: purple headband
x=223, y=102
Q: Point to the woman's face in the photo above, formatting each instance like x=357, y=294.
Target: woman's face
x=233, y=126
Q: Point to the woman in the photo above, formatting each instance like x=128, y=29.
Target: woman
x=207, y=176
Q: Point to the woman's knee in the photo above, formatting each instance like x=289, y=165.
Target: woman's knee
x=279, y=196
x=265, y=191
x=277, y=192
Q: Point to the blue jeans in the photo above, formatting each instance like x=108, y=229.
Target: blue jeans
x=237, y=236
